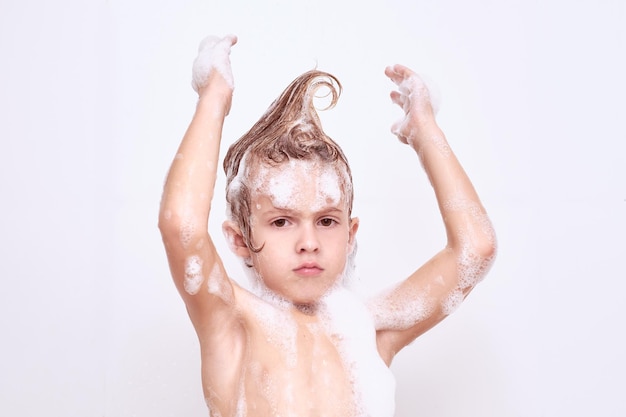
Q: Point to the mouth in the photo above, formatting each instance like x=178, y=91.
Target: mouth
x=308, y=269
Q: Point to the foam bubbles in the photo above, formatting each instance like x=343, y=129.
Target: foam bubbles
x=241, y=410
x=187, y=230
x=349, y=271
x=280, y=328
x=452, y=302
x=474, y=210
x=347, y=318
x=329, y=188
x=472, y=267
x=420, y=89
x=417, y=95
x=400, y=309
x=434, y=92
x=284, y=184
x=442, y=145
x=193, y=275
x=236, y=183
x=213, y=54
x=218, y=284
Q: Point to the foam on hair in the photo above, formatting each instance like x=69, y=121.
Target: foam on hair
x=289, y=130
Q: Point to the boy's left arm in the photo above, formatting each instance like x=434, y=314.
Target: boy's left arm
x=433, y=291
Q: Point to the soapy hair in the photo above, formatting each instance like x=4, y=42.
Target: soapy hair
x=289, y=129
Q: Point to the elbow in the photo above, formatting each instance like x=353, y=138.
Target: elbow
x=177, y=228
x=168, y=226
x=475, y=260
x=487, y=248
x=166, y=222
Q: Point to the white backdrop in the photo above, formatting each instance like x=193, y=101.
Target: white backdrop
x=95, y=97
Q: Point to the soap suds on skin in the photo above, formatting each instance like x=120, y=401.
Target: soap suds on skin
x=281, y=329
x=400, y=310
x=218, y=284
x=472, y=267
x=471, y=207
x=452, y=302
x=209, y=400
x=193, y=275
x=416, y=90
x=344, y=317
x=329, y=185
x=187, y=230
x=281, y=183
x=347, y=317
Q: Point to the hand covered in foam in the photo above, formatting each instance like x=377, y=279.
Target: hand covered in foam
x=415, y=99
x=213, y=55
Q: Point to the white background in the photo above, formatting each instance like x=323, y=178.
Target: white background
x=95, y=97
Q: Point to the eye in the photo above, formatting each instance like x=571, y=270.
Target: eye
x=280, y=223
x=327, y=222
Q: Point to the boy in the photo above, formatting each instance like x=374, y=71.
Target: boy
x=301, y=344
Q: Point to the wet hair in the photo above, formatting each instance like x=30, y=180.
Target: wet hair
x=289, y=129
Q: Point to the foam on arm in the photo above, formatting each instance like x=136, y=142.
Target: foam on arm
x=437, y=288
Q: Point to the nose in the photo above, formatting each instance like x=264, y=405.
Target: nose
x=308, y=240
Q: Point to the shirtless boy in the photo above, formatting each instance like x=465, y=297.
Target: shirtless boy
x=300, y=344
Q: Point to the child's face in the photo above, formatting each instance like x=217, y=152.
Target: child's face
x=299, y=217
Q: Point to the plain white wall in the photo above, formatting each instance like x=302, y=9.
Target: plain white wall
x=95, y=96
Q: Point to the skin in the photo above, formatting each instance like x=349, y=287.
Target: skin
x=304, y=253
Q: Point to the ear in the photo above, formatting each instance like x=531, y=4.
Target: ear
x=235, y=239
x=354, y=226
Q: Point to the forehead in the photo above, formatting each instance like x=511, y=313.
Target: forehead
x=298, y=184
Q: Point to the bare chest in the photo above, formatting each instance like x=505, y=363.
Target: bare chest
x=288, y=364
x=297, y=371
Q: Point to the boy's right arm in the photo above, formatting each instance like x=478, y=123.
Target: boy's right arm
x=197, y=269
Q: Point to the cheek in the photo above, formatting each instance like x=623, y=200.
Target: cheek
x=271, y=255
x=338, y=242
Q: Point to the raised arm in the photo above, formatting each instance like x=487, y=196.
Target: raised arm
x=438, y=287
x=186, y=203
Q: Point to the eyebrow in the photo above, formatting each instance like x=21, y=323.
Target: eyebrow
x=288, y=211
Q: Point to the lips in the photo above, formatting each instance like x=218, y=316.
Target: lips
x=308, y=269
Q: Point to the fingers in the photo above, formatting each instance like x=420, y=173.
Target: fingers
x=397, y=129
x=398, y=73
x=402, y=76
x=398, y=98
